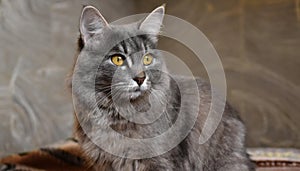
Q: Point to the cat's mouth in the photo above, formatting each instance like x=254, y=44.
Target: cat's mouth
x=135, y=94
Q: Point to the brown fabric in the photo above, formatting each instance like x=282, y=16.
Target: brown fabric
x=68, y=156
x=277, y=169
x=275, y=159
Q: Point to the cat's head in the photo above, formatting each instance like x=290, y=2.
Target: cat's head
x=125, y=58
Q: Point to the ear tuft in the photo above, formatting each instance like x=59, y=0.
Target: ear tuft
x=153, y=22
x=91, y=22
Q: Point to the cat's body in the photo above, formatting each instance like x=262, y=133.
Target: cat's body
x=99, y=70
x=224, y=151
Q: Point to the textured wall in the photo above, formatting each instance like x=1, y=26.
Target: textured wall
x=257, y=41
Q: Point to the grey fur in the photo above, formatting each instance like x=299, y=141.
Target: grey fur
x=225, y=149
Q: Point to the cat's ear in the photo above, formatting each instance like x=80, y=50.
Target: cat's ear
x=153, y=22
x=91, y=22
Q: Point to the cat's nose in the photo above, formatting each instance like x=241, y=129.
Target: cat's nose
x=139, y=79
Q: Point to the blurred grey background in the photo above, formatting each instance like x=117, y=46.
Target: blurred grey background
x=257, y=40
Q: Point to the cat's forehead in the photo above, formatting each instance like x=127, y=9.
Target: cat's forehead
x=118, y=32
x=129, y=39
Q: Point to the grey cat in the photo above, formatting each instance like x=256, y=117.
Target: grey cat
x=120, y=76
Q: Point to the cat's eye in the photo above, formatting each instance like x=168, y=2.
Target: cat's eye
x=147, y=59
x=117, y=60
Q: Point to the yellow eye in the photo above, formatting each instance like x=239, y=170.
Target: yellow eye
x=117, y=60
x=147, y=59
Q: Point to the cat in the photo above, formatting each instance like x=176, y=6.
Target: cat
x=119, y=75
